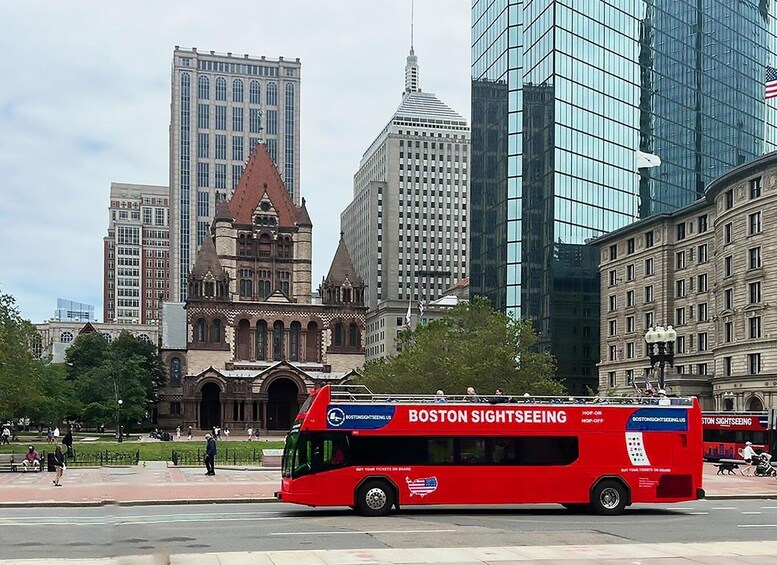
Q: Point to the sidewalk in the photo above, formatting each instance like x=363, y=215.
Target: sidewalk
x=720, y=553
x=156, y=483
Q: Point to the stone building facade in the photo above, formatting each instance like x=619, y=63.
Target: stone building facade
x=255, y=344
x=705, y=270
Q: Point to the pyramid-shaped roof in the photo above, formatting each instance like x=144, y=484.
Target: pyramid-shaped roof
x=259, y=177
x=426, y=106
x=342, y=266
x=208, y=261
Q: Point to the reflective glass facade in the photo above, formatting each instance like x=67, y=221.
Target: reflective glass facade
x=564, y=94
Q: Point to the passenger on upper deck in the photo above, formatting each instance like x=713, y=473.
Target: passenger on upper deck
x=499, y=397
x=472, y=396
x=440, y=396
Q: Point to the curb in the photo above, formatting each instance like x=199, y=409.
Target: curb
x=100, y=503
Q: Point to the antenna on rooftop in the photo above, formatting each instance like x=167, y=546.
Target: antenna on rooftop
x=412, y=2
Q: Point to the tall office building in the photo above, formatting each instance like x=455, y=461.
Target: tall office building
x=564, y=98
x=71, y=311
x=222, y=106
x=136, y=254
x=406, y=227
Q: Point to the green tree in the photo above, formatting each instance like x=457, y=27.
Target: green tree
x=18, y=366
x=56, y=400
x=128, y=369
x=472, y=346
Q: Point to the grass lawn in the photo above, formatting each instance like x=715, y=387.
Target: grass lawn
x=152, y=450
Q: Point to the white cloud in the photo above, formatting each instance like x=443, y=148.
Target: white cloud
x=85, y=99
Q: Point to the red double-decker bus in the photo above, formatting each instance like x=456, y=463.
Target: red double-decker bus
x=725, y=433
x=375, y=452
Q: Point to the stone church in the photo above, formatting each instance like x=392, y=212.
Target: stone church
x=256, y=342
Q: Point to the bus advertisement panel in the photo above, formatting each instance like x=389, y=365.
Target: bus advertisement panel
x=374, y=453
x=725, y=433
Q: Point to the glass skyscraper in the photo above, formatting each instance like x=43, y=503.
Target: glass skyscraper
x=565, y=93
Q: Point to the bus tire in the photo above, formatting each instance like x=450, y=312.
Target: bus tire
x=609, y=498
x=375, y=497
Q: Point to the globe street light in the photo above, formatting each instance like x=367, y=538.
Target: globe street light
x=118, y=419
x=660, y=349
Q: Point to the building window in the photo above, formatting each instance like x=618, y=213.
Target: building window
x=680, y=260
x=703, y=314
x=255, y=92
x=630, y=350
x=680, y=344
x=613, y=353
x=221, y=89
x=649, y=293
x=679, y=290
x=754, y=257
x=728, y=299
x=754, y=324
x=649, y=239
x=702, y=340
x=755, y=188
x=630, y=377
x=237, y=90
x=754, y=363
x=613, y=252
x=649, y=266
x=215, y=332
x=630, y=270
x=728, y=231
x=701, y=368
x=680, y=231
x=200, y=330
x=728, y=266
x=679, y=316
x=613, y=303
x=701, y=223
x=755, y=292
x=701, y=283
x=65, y=337
x=728, y=332
x=702, y=253
x=630, y=245
x=613, y=277
x=727, y=370
x=629, y=298
x=203, y=88
x=754, y=223
x=612, y=379
x=175, y=371
x=729, y=199
x=613, y=327
x=630, y=325
x=648, y=320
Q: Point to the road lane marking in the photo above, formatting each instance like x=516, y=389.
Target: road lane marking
x=756, y=525
x=751, y=512
x=698, y=513
x=133, y=521
x=724, y=507
x=361, y=532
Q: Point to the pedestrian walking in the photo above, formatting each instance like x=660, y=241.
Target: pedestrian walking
x=6, y=435
x=750, y=458
x=210, y=455
x=190, y=433
x=226, y=432
x=67, y=441
x=59, y=465
x=56, y=433
x=250, y=433
x=178, y=432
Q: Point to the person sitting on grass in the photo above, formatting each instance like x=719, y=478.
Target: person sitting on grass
x=31, y=459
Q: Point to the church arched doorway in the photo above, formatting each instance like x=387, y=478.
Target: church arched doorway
x=755, y=405
x=210, y=406
x=282, y=405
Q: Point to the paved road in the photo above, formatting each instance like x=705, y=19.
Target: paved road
x=111, y=531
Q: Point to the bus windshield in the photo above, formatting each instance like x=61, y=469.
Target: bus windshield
x=288, y=453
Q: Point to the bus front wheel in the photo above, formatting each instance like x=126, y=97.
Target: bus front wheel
x=374, y=498
x=609, y=498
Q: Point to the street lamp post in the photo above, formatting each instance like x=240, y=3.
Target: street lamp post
x=119, y=437
x=660, y=349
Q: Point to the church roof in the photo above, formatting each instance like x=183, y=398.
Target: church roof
x=222, y=212
x=208, y=261
x=342, y=266
x=259, y=177
x=303, y=218
x=425, y=106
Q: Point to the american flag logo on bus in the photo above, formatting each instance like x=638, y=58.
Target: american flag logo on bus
x=422, y=487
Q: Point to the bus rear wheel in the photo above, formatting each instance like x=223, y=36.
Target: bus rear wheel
x=374, y=498
x=609, y=498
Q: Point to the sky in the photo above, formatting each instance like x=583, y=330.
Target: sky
x=85, y=101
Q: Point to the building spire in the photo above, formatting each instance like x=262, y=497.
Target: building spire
x=411, y=68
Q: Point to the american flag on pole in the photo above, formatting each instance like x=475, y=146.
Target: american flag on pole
x=771, y=82
x=422, y=487
x=421, y=307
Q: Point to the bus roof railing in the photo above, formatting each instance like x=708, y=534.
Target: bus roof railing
x=356, y=394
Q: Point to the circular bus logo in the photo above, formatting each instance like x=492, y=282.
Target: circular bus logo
x=335, y=417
